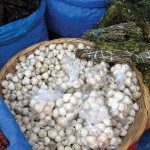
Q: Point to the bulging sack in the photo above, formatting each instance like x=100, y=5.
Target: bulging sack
x=73, y=18
x=11, y=130
x=17, y=35
x=88, y=3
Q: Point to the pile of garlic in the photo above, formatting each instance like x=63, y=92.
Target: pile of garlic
x=67, y=108
x=111, y=110
x=43, y=102
x=93, y=107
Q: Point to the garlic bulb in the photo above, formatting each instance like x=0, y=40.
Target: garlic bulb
x=52, y=133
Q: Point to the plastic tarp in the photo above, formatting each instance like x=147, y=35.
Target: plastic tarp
x=71, y=18
x=11, y=130
x=88, y=3
x=144, y=143
x=20, y=34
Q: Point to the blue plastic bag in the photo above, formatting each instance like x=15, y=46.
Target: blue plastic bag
x=144, y=143
x=88, y=3
x=20, y=34
x=11, y=130
x=71, y=18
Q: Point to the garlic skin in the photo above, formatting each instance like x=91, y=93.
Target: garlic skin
x=15, y=79
x=71, y=139
x=34, y=81
x=84, y=132
x=11, y=86
x=42, y=133
x=36, y=130
x=123, y=133
x=136, y=95
x=135, y=106
x=80, y=46
x=66, y=97
x=62, y=111
x=52, y=133
x=107, y=122
x=26, y=81
x=76, y=146
x=56, y=113
x=60, y=147
x=28, y=73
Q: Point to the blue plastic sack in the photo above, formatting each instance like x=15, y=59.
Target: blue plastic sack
x=17, y=35
x=11, y=130
x=144, y=143
x=88, y=3
x=65, y=18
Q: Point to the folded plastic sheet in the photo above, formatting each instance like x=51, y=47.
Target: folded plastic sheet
x=11, y=130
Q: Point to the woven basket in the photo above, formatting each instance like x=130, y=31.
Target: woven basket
x=138, y=126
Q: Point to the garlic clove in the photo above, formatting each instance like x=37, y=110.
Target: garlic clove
x=52, y=133
x=135, y=106
x=136, y=95
x=52, y=46
x=11, y=86
x=59, y=46
x=80, y=46
x=123, y=133
x=107, y=122
x=66, y=97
